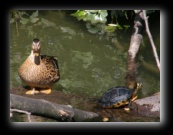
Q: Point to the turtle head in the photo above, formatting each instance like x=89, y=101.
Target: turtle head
x=134, y=85
x=138, y=86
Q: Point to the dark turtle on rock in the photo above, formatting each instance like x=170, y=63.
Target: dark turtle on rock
x=119, y=96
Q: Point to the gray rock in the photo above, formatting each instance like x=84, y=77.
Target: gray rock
x=149, y=106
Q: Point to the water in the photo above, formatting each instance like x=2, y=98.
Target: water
x=89, y=64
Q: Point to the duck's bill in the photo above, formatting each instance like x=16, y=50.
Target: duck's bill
x=36, y=54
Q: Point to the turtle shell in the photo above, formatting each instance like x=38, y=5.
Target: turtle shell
x=115, y=97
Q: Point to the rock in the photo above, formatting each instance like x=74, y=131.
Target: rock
x=149, y=106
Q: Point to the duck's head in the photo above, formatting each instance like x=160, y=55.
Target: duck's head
x=36, y=46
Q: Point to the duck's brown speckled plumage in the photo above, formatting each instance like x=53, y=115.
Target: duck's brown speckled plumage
x=39, y=70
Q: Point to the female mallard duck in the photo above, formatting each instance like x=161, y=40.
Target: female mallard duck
x=39, y=71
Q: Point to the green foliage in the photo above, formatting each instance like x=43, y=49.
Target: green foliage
x=96, y=20
x=112, y=27
x=115, y=14
x=23, y=17
x=93, y=16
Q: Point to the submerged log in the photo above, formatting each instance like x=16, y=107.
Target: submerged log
x=52, y=110
x=150, y=67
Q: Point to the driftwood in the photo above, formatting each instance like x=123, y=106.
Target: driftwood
x=52, y=110
x=140, y=24
x=135, y=42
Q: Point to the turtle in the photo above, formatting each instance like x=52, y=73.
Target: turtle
x=119, y=96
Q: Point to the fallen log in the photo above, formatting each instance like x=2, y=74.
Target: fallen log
x=41, y=107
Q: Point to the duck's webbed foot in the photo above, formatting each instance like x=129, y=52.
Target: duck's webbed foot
x=46, y=91
x=32, y=92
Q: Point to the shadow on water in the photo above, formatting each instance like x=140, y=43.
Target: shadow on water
x=89, y=64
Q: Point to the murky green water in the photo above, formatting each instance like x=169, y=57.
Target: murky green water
x=89, y=64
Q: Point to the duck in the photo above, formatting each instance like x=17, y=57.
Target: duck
x=38, y=71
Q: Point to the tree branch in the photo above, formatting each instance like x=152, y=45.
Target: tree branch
x=21, y=111
x=151, y=39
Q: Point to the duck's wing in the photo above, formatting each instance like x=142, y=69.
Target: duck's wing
x=51, y=63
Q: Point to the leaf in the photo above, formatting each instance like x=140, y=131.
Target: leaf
x=103, y=19
x=89, y=17
x=92, y=11
x=34, y=15
x=24, y=20
x=22, y=13
x=94, y=16
x=33, y=20
x=119, y=27
x=96, y=19
x=93, y=30
x=47, y=23
x=111, y=28
x=103, y=13
x=126, y=26
x=79, y=14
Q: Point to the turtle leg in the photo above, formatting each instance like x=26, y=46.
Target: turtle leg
x=46, y=91
x=133, y=99
x=32, y=91
x=129, y=107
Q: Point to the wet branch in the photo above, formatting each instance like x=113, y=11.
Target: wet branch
x=48, y=109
